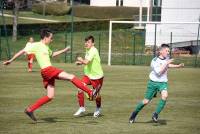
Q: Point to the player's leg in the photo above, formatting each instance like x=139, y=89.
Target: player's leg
x=97, y=84
x=78, y=83
x=160, y=106
x=43, y=100
x=30, y=62
x=80, y=97
x=148, y=96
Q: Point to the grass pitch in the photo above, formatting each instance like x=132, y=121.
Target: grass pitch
x=123, y=87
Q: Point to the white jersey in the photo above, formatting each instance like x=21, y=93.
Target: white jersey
x=156, y=74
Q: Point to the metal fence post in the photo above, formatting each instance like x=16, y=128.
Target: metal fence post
x=154, y=48
x=72, y=28
x=133, y=48
x=170, y=44
x=197, y=45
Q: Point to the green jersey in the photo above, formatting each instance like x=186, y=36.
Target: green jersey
x=42, y=53
x=93, y=69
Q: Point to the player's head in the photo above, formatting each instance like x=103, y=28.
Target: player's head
x=46, y=35
x=31, y=39
x=89, y=41
x=164, y=50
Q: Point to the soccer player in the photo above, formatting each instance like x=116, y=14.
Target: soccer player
x=93, y=75
x=30, y=56
x=49, y=73
x=158, y=83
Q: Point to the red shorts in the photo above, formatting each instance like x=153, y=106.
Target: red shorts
x=96, y=84
x=30, y=56
x=49, y=74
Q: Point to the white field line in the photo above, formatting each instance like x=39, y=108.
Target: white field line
x=30, y=18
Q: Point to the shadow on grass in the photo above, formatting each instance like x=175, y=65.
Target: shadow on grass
x=88, y=114
x=50, y=120
x=159, y=123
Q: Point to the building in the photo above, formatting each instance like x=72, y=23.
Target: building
x=182, y=34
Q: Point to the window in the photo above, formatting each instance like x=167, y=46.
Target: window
x=121, y=2
x=157, y=3
x=117, y=2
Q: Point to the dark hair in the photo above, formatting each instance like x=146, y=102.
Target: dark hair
x=164, y=46
x=90, y=38
x=45, y=33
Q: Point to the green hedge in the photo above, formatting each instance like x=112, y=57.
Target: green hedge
x=55, y=8
x=28, y=29
x=106, y=12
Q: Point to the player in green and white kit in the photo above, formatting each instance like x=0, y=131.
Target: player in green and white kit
x=158, y=83
x=93, y=75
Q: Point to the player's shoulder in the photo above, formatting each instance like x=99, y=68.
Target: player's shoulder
x=155, y=59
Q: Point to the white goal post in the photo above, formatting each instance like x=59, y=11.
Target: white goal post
x=144, y=23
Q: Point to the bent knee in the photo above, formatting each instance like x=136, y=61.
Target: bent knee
x=164, y=95
x=145, y=101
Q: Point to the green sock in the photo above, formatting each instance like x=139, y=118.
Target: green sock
x=139, y=107
x=160, y=106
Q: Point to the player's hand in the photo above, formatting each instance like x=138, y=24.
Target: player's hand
x=68, y=48
x=6, y=62
x=181, y=65
x=79, y=58
x=78, y=63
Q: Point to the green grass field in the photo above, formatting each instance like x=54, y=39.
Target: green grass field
x=123, y=87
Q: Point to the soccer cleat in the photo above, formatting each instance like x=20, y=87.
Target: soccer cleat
x=30, y=114
x=132, y=117
x=80, y=111
x=155, y=117
x=97, y=112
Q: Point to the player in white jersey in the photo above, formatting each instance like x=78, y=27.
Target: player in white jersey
x=158, y=82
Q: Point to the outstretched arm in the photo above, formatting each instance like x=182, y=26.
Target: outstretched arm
x=21, y=52
x=176, y=66
x=60, y=51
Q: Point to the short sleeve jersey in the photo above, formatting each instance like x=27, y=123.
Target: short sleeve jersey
x=93, y=69
x=42, y=53
x=155, y=74
x=27, y=45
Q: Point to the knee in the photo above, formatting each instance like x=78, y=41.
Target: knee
x=51, y=97
x=145, y=101
x=164, y=95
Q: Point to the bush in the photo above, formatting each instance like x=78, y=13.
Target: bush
x=106, y=12
x=53, y=8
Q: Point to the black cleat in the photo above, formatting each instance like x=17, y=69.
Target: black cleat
x=132, y=118
x=30, y=114
x=155, y=117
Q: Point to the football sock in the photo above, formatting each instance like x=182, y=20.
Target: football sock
x=160, y=106
x=80, y=97
x=30, y=65
x=38, y=103
x=98, y=101
x=139, y=107
x=78, y=83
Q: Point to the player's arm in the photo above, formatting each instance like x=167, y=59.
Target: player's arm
x=60, y=51
x=21, y=52
x=176, y=66
x=81, y=61
x=161, y=69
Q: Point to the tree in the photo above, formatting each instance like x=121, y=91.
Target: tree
x=15, y=18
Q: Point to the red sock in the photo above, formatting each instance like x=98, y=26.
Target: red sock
x=30, y=66
x=80, y=97
x=78, y=83
x=98, y=101
x=38, y=103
